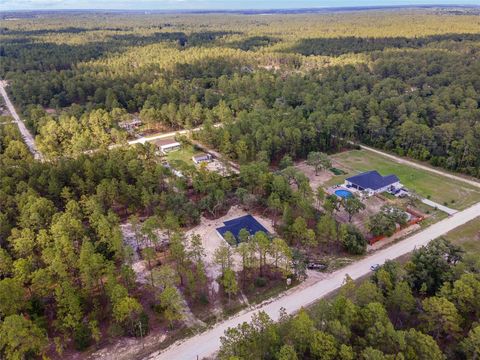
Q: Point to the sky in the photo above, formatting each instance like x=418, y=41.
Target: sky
x=208, y=4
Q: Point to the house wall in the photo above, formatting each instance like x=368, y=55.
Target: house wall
x=167, y=148
x=385, y=188
x=381, y=190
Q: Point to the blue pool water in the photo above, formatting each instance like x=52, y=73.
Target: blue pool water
x=343, y=193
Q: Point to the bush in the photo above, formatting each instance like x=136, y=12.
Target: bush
x=354, y=242
x=337, y=171
x=140, y=327
x=203, y=299
x=82, y=337
x=157, y=308
x=115, y=330
x=260, y=282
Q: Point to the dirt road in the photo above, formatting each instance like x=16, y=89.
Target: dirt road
x=171, y=134
x=207, y=343
x=27, y=136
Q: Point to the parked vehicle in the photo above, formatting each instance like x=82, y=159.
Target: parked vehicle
x=316, y=266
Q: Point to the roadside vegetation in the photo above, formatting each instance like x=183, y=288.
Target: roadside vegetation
x=101, y=243
x=467, y=236
x=425, y=309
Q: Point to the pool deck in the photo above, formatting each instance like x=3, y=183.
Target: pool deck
x=331, y=190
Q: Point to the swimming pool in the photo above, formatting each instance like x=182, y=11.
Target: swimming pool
x=343, y=193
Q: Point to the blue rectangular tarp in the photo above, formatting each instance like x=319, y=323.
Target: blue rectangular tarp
x=247, y=222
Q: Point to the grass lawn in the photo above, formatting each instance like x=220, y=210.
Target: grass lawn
x=184, y=154
x=455, y=194
x=434, y=215
x=467, y=236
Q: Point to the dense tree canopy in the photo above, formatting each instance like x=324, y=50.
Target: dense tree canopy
x=267, y=91
x=371, y=321
x=412, y=89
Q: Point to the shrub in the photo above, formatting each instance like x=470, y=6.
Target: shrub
x=140, y=327
x=82, y=337
x=260, y=282
x=354, y=242
x=203, y=299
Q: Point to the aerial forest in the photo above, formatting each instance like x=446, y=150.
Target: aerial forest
x=265, y=92
x=409, y=84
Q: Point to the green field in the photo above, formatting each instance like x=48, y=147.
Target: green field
x=455, y=194
x=184, y=154
x=468, y=236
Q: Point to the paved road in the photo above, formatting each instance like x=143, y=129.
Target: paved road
x=27, y=136
x=207, y=343
x=423, y=167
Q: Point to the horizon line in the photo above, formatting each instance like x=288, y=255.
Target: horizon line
x=256, y=10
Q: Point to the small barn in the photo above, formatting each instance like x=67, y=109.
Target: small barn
x=167, y=145
x=198, y=159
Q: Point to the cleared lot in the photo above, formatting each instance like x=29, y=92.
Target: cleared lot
x=184, y=154
x=455, y=194
x=315, y=179
x=211, y=240
x=372, y=204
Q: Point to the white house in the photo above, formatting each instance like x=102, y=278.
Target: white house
x=373, y=183
x=167, y=145
x=170, y=147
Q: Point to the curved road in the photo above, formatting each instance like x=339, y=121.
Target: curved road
x=208, y=342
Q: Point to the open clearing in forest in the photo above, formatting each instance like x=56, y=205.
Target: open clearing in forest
x=184, y=154
x=443, y=190
x=211, y=240
x=315, y=179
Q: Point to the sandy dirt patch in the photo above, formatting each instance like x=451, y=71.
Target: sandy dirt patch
x=211, y=240
x=130, y=239
x=217, y=166
x=394, y=237
x=373, y=205
x=309, y=171
x=128, y=348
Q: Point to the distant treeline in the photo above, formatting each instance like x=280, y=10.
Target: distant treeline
x=416, y=93
x=349, y=44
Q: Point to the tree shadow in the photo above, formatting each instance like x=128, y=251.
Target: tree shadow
x=26, y=54
x=352, y=44
x=254, y=42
